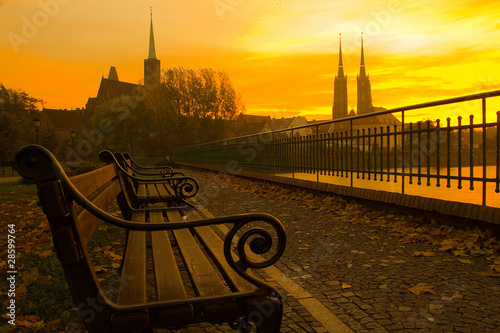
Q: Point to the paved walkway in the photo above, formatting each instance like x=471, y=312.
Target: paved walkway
x=340, y=276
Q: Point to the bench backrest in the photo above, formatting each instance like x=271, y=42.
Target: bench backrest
x=71, y=224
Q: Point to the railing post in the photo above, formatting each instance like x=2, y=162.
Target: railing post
x=484, y=150
x=352, y=145
x=274, y=158
x=317, y=154
x=438, y=152
x=403, y=158
x=459, y=152
x=471, y=152
x=497, y=189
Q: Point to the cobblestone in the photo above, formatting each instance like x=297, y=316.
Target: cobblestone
x=325, y=254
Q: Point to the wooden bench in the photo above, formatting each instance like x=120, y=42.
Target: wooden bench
x=142, y=191
x=175, y=268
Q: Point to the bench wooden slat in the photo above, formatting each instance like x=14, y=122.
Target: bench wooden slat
x=133, y=284
x=152, y=190
x=205, y=281
x=215, y=246
x=86, y=222
x=91, y=181
x=164, y=189
x=141, y=190
x=169, y=283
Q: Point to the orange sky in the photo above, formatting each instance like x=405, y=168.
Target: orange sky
x=282, y=56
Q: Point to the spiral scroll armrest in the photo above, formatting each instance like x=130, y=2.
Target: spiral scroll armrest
x=168, y=172
x=184, y=187
x=253, y=243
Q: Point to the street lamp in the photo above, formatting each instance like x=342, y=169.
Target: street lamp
x=73, y=133
x=36, y=121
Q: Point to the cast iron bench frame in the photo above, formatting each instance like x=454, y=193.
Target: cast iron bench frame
x=75, y=207
x=142, y=191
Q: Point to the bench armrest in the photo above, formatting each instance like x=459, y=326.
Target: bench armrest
x=184, y=186
x=164, y=172
x=164, y=168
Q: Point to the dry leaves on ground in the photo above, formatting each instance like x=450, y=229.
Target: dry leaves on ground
x=409, y=228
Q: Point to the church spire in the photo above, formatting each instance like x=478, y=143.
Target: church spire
x=364, y=86
x=339, y=109
x=152, y=51
x=341, y=65
x=362, y=70
x=152, y=66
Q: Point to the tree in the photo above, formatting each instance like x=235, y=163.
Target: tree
x=17, y=112
x=190, y=106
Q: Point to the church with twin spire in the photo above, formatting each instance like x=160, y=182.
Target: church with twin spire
x=364, y=103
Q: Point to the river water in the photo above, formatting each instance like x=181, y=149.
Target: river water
x=465, y=194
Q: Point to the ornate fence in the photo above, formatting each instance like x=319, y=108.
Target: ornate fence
x=465, y=154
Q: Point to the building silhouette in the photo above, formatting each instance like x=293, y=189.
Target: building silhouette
x=340, y=106
x=64, y=122
x=112, y=88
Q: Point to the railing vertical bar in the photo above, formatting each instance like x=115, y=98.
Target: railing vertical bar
x=337, y=156
x=419, y=141
x=381, y=153
x=438, y=152
x=403, y=158
x=484, y=151
x=329, y=152
x=352, y=153
x=411, y=154
x=295, y=154
x=369, y=162
x=357, y=153
x=317, y=154
x=471, y=152
x=497, y=189
x=448, y=152
x=323, y=153
x=395, y=153
x=459, y=152
x=342, y=154
x=388, y=153
x=274, y=159
x=363, y=155
x=428, y=148
x=374, y=153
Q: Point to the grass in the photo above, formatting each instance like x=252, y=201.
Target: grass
x=14, y=191
x=43, y=300
x=7, y=171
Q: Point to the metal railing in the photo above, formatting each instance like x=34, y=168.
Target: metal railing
x=353, y=148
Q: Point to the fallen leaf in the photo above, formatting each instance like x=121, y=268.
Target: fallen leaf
x=422, y=288
x=424, y=254
x=31, y=276
x=346, y=286
x=465, y=261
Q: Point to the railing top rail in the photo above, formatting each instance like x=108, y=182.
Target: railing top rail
x=494, y=93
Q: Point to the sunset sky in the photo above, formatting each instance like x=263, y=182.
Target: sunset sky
x=282, y=56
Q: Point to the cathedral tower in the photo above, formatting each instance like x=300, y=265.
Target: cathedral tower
x=339, y=109
x=152, y=69
x=364, y=86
